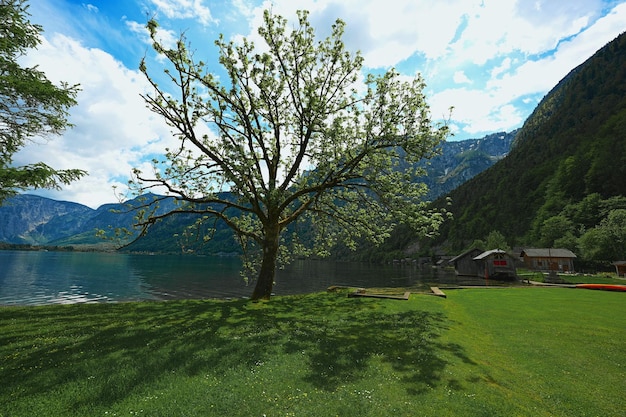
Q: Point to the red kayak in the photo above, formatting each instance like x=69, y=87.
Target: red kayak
x=606, y=287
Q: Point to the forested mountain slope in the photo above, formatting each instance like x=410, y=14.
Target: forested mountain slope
x=570, y=153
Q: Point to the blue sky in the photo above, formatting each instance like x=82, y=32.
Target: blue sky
x=492, y=60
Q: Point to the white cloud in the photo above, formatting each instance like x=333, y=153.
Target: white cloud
x=91, y=8
x=476, y=110
x=497, y=27
x=460, y=78
x=185, y=9
x=385, y=34
x=522, y=47
x=166, y=37
x=549, y=56
x=113, y=129
x=243, y=7
x=500, y=119
x=504, y=67
x=481, y=30
x=541, y=75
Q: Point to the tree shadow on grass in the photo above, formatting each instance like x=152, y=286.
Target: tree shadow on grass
x=111, y=351
x=342, y=351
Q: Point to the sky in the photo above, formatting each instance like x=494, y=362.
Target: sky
x=491, y=60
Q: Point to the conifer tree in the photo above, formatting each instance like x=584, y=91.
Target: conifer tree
x=30, y=105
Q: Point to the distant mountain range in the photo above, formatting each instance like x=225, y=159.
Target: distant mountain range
x=34, y=220
x=29, y=219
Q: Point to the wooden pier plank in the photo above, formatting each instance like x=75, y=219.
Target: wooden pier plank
x=404, y=296
x=436, y=291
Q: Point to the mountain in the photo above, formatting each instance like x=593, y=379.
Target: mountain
x=570, y=153
x=29, y=219
x=459, y=161
x=33, y=220
x=24, y=219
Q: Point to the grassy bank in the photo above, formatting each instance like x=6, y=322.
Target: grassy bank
x=482, y=352
x=602, y=278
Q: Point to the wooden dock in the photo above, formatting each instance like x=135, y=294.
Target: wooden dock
x=404, y=296
x=436, y=291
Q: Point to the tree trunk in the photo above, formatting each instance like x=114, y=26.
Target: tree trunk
x=265, y=281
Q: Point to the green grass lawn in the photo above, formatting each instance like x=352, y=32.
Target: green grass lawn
x=480, y=352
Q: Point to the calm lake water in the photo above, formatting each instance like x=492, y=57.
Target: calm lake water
x=35, y=278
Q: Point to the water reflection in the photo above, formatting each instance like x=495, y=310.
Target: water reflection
x=32, y=278
x=171, y=277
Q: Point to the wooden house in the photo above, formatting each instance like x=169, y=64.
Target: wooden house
x=496, y=264
x=550, y=259
x=620, y=268
x=464, y=263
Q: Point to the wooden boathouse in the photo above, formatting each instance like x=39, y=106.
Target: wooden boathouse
x=497, y=264
x=492, y=264
x=548, y=259
x=464, y=263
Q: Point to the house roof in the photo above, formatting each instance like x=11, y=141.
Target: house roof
x=488, y=253
x=548, y=253
x=464, y=254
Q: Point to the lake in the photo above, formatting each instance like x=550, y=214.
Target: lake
x=39, y=277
